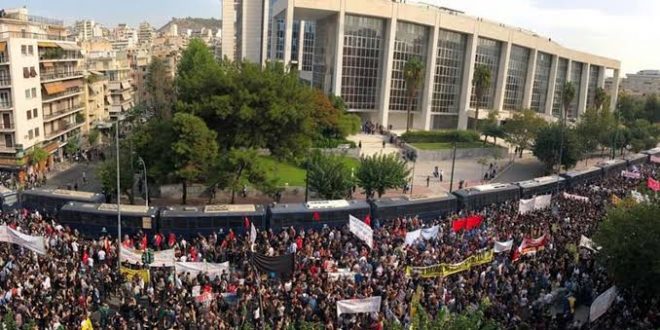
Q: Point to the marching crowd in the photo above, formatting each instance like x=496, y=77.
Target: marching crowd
x=77, y=283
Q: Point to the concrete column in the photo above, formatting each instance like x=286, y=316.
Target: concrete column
x=615, y=90
x=569, y=69
x=468, y=72
x=601, y=77
x=264, y=32
x=388, y=57
x=550, y=97
x=288, y=32
x=431, y=57
x=529, y=81
x=502, y=73
x=301, y=39
x=584, y=88
x=339, y=50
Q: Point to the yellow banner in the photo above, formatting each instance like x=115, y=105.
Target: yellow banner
x=450, y=269
x=131, y=273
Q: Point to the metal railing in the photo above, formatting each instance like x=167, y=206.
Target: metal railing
x=6, y=126
x=63, y=111
x=3, y=58
x=45, y=20
x=71, y=91
x=5, y=81
x=59, y=75
x=5, y=105
x=39, y=36
x=62, y=129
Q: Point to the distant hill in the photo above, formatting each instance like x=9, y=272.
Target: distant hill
x=192, y=23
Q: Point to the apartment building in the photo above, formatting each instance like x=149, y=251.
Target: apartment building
x=169, y=49
x=139, y=60
x=41, y=88
x=114, y=65
x=146, y=33
x=96, y=99
x=87, y=30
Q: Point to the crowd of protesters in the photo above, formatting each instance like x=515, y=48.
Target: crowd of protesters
x=77, y=280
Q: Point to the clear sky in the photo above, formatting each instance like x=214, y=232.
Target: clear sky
x=628, y=30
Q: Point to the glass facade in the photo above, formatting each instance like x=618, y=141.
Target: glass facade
x=448, y=77
x=576, y=79
x=488, y=54
x=362, y=62
x=593, y=85
x=279, y=39
x=562, y=68
x=295, y=40
x=308, y=46
x=516, y=78
x=411, y=41
x=541, y=81
x=324, y=53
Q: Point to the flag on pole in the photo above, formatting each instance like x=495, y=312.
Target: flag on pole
x=653, y=184
x=253, y=236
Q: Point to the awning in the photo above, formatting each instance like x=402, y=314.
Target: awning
x=47, y=64
x=3, y=46
x=73, y=83
x=68, y=46
x=54, y=88
x=126, y=96
x=51, y=147
x=47, y=44
x=125, y=85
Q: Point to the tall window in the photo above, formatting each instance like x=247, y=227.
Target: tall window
x=448, y=77
x=516, y=78
x=279, y=41
x=576, y=79
x=295, y=33
x=541, y=81
x=411, y=41
x=594, y=72
x=562, y=72
x=488, y=54
x=308, y=46
x=362, y=58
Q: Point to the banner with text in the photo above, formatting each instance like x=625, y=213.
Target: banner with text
x=602, y=304
x=342, y=273
x=500, y=247
x=536, y=203
x=576, y=197
x=426, y=233
x=211, y=269
x=631, y=175
x=361, y=230
x=32, y=243
x=354, y=306
x=531, y=246
x=131, y=273
x=450, y=269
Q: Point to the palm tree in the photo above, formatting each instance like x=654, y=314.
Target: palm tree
x=567, y=97
x=599, y=98
x=413, y=73
x=481, y=81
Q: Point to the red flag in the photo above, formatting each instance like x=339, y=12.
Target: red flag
x=171, y=239
x=458, y=224
x=246, y=223
x=653, y=184
x=158, y=239
x=473, y=221
x=143, y=243
x=515, y=255
x=367, y=220
x=316, y=216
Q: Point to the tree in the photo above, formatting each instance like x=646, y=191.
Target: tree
x=413, y=74
x=239, y=167
x=553, y=138
x=522, y=129
x=642, y=135
x=93, y=137
x=492, y=128
x=328, y=176
x=153, y=142
x=481, y=80
x=107, y=172
x=72, y=146
x=160, y=89
x=590, y=127
x=567, y=97
x=629, y=240
x=599, y=98
x=37, y=157
x=467, y=320
x=380, y=172
x=194, y=150
x=8, y=321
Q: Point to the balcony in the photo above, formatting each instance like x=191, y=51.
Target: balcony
x=63, y=112
x=4, y=59
x=7, y=149
x=58, y=96
x=63, y=129
x=7, y=127
x=38, y=36
x=50, y=75
x=5, y=82
x=5, y=105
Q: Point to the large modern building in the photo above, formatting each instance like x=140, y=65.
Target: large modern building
x=358, y=49
x=41, y=87
x=642, y=83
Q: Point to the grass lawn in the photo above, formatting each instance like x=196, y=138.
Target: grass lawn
x=291, y=174
x=448, y=145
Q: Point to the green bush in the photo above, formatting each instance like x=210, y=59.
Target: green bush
x=441, y=136
x=330, y=143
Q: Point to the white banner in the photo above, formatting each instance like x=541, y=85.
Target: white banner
x=639, y=198
x=427, y=233
x=587, y=243
x=341, y=273
x=361, y=230
x=576, y=197
x=655, y=159
x=500, y=247
x=131, y=256
x=354, y=306
x=32, y=243
x=602, y=304
x=194, y=268
x=631, y=175
x=163, y=258
x=525, y=205
x=536, y=203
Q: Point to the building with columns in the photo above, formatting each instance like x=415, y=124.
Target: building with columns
x=358, y=49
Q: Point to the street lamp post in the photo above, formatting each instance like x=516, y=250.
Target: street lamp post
x=453, y=162
x=146, y=185
x=118, y=196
